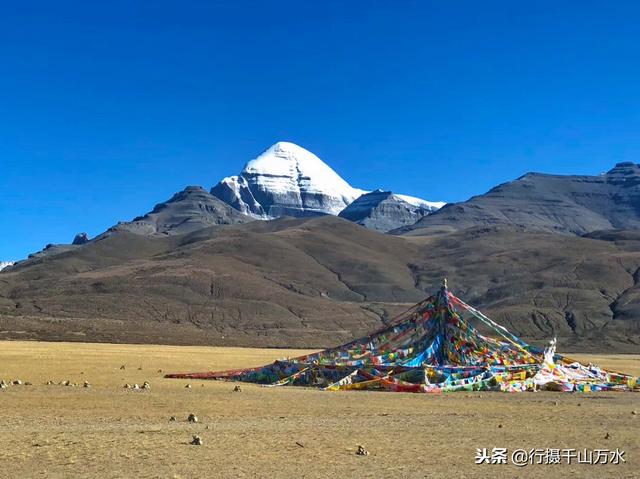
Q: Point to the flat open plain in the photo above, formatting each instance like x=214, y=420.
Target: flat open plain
x=109, y=431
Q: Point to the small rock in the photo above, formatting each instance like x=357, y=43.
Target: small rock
x=362, y=451
x=237, y=389
x=139, y=368
x=634, y=412
x=299, y=444
x=499, y=426
x=3, y=385
x=28, y=383
x=49, y=383
x=86, y=384
x=173, y=419
x=159, y=370
x=196, y=441
x=127, y=386
x=17, y=382
x=146, y=385
x=188, y=386
x=135, y=386
x=607, y=436
x=555, y=403
x=123, y=367
x=192, y=418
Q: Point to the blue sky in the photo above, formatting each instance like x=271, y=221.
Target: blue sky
x=108, y=108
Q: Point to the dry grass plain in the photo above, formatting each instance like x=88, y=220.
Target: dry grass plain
x=108, y=431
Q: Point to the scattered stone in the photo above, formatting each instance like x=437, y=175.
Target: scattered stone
x=123, y=367
x=206, y=427
x=607, y=436
x=135, y=386
x=86, y=384
x=173, y=419
x=579, y=404
x=499, y=426
x=188, y=386
x=66, y=383
x=634, y=412
x=146, y=385
x=362, y=451
x=17, y=382
x=139, y=368
x=159, y=370
x=127, y=386
x=3, y=385
x=196, y=441
x=237, y=389
x=49, y=383
x=192, y=418
x=299, y=444
x=555, y=403
x=28, y=383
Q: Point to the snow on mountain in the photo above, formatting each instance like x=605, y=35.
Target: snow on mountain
x=5, y=264
x=428, y=205
x=288, y=180
x=384, y=211
x=235, y=191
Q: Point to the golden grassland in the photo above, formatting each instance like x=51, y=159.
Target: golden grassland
x=109, y=431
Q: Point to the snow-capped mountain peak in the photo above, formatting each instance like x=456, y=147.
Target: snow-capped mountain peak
x=288, y=180
x=288, y=167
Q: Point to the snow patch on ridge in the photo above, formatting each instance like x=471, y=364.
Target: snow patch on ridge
x=429, y=205
x=6, y=264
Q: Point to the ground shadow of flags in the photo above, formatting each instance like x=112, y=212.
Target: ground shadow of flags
x=433, y=348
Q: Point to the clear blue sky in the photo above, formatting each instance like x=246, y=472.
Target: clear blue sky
x=108, y=108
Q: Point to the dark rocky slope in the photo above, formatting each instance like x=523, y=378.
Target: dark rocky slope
x=554, y=203
x=383, y=211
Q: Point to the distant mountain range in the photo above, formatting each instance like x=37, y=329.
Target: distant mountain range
x=547, y=255
x=285, y=180
x=558, y=204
